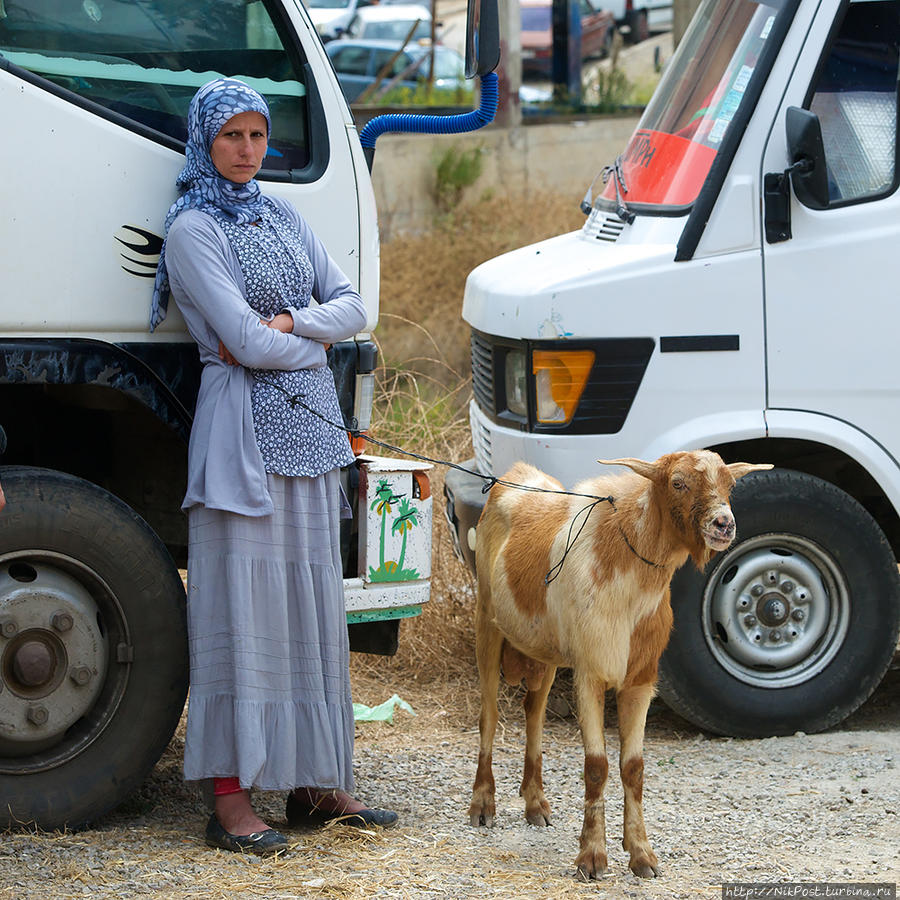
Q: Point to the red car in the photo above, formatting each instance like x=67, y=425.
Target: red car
x=597, y=30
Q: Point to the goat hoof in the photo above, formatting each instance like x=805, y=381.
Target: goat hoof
x=583, y=873
x=539, y=818
x=591, y=865
x=645, y=870
x=481, y=820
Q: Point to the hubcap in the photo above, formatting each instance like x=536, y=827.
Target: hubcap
x=775, y=610
x=57, y=624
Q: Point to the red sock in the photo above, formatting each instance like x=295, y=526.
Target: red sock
x=223, y=786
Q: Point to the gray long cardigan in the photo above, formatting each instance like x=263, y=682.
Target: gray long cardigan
x=225, y=467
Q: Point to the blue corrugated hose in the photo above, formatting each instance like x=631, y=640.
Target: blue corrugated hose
x=422, y=124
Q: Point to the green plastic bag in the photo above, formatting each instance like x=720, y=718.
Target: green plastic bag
x=384, y=712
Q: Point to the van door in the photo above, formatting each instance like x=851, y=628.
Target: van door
x=831, y=291
x=95, y=95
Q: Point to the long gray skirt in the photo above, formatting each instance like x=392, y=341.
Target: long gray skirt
x=270, y=696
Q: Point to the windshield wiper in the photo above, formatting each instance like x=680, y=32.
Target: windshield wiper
x=615, y=172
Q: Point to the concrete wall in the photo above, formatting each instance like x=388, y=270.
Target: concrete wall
x=561, y=157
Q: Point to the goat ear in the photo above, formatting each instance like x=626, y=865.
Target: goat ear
x=738, y=470
x=642, y=467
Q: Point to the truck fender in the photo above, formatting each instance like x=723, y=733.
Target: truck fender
x=707, y=431
x=832, y=432
x=163, y=377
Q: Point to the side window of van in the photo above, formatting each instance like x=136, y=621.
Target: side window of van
x=855, y=98
x=145, y=59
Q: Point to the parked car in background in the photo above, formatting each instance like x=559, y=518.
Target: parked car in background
x=391, y=23
x=358, y=62
x=333, y=17
x=598, y=28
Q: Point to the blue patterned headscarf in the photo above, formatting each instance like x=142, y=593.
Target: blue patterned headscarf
x=204, y=188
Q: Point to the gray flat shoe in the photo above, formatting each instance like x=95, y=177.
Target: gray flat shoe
x=262, y=843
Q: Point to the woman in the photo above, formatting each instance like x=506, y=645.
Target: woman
x=270, y=703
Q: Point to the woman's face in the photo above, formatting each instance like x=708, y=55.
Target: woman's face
x=238, y=149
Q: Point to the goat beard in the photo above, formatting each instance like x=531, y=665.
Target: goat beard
x=701, y=555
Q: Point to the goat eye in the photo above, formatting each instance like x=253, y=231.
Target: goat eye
x=678, y=483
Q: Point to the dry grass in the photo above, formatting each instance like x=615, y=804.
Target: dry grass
x=424, y=389
x=422, y=278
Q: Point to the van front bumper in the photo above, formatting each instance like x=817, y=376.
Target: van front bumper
x=464, y=501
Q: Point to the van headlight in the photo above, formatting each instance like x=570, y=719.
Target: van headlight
x=514, y=383
x=573, y=386
x=559, y=378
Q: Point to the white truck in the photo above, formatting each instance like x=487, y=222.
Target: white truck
x=734, y=287
x=93, y=100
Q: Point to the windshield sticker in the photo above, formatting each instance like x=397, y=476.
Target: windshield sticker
x=743, y=77
x=726, y=113
x=767, y=28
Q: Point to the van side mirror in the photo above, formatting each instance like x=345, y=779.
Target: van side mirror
x=806, y=152
x=482, y=37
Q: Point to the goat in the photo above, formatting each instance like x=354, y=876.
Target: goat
x=606, y=614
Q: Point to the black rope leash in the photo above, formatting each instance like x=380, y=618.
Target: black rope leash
x=295, y=400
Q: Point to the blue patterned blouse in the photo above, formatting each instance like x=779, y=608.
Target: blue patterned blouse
x=278, y=275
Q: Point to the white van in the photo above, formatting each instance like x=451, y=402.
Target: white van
x=93, y=100
x=733, y=287
x=391, y=22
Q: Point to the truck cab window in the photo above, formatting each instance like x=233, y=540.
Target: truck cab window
x=144, y=59
x=855, y=98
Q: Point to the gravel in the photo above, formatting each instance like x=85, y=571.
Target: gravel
x=803, y=808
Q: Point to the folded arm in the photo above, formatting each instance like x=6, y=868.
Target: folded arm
x=341, y=312
x=203, y=283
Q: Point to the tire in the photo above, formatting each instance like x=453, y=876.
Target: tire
x=93, y=649
x=638, y=26
x=791, y=628
x=608, y=42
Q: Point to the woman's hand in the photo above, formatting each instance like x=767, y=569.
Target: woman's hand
x=225, y=355
x=283, y=322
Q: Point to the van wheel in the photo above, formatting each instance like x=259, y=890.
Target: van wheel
x=93, y=649
x=638, y=26
x=793, y=627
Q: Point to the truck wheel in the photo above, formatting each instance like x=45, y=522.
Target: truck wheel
x=793, y=627
x=93, y=649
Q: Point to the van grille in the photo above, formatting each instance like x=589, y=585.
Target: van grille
x=482, y=371
x=603, y=226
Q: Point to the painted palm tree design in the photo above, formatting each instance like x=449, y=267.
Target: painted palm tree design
x=408, y=518
x=383, y=504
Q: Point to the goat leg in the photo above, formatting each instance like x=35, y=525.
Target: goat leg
x=592, y=860
x=537, y=809
x=632, y=703
x=488, y=646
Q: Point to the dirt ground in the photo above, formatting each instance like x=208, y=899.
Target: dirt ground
x=802, y=808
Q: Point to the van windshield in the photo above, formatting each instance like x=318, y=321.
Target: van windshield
x=670, y=153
